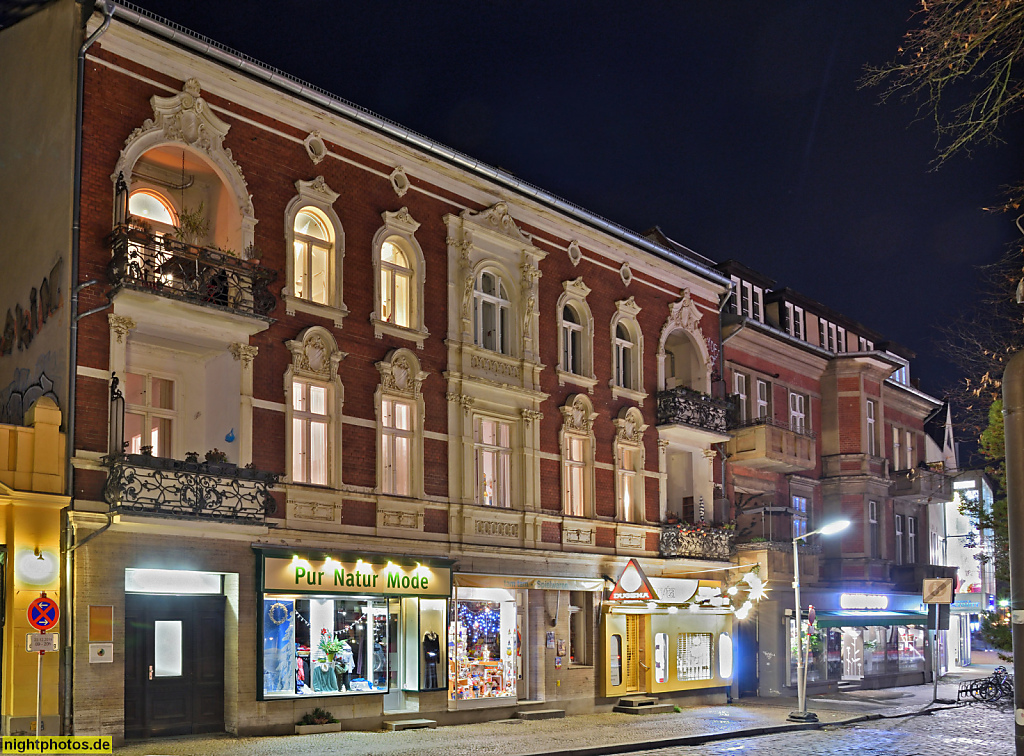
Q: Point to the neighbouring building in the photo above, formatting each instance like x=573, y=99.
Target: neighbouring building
x=829, y=426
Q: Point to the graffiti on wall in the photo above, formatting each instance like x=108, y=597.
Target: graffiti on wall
x=21, y=325
x=19, y=395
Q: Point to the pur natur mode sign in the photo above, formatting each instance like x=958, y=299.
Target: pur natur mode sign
x=298, y=575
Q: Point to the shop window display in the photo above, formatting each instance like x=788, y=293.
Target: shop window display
x=615, y=654
x=693, y=656
x=324, y=646
x=483, y=641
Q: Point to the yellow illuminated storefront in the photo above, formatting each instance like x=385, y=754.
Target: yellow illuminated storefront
x=31, y=500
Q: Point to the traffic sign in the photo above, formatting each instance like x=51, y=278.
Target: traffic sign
x=40, y=642
x=43, y=614
x=937, y=591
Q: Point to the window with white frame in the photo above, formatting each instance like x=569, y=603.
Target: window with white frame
x=493, y=462
x=763, y=405
x=628, y=450
x=795, y=320
x=400, y=269
x=576, y=440
x=572, y=340
x=574, y=467
x=627, y=352
x=309, y=432
x=896, y=458
x=575, y=336
x=901, y=375
x=624, y=349
x=491, y=313
x=840, y=339
x=899, y=539
x=873, y=532
x=797, y=412
x=580, y=626
x=396, y=446
x=740, y=389
x=799, y=516
x=872, y=430
x=627, y=482
x=750, y=299
x=316, y=246
x=311, y=245
x=908, y=449
x=149, y=414
x=864, y=345
x=395, y=285
x=912, y=540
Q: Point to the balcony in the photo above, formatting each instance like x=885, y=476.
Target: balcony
x=688, y=541
x=921, y=485
x=681, y=406
x=768, y=445
x=143, y=484
x=148, y=262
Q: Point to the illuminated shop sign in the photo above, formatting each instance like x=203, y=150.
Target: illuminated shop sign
x=863, y=601
x=329, y=575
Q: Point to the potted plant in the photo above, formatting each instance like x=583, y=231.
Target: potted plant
x=329, y=644
x=318, y=720
x=193, y=225
x=217, y=462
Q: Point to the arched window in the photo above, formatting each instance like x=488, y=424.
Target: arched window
x=395, y=285
x=572, y=341
x=151, y=207
x=628, y=449
x=623, y=357
x=577, y=442
x=491, y=313
x=312, y=242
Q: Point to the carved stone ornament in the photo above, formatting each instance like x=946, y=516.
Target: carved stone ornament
x=120, y=325
x=400, y=373
x=399, y=181
x=187, y=119
x=630, y=426
x=576, y=288
x=574, y=253
x=684, y=314
x=400, y=221
x=316, y=353
x=466, y=402
x=628, y=307
x=244, y=353
x=577, y=415
x=531, y=416
x=498, y=218
x=315, y=147
x=626, y=274
x=317, y=191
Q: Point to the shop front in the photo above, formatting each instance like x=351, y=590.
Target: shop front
x=876, y=640
x=662, y=635
x=337, y=625
x=964, y=615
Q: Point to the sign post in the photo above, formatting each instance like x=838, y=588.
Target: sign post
x=936, y=591
x=43, y=614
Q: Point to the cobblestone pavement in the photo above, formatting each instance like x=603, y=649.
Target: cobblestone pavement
x=977, y=729
x=984, y=729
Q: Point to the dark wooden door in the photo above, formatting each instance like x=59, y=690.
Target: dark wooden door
x=174, y=665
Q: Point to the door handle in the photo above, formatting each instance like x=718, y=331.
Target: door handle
x=150, y=671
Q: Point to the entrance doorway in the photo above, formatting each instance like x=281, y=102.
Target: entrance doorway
x=174, y=665
x=636, y=654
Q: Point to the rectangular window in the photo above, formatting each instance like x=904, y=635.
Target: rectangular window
x=797, y=412
x=745, y=293
x=309, y=433
x=908, y=447
x=795, y=320
x=627, y=483
x=899, y=539
x=799, y=516
x=734, y=300
x=693, y=656
x=822, y=333
x=580, y=627
x=831, y=337
x=739, y=388
x=396, y=439
x=494, y=462
x=167, y=648
x=896, y=448
x=841, y=339
x=149, y=414
x=873, y=534
x=763, y=409
x=871, y=429
x=912, y=540
x=757, y=308
x=574, y=467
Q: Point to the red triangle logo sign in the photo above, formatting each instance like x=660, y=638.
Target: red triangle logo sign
x=632, y=585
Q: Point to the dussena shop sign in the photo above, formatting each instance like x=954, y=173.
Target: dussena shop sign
x=328, y=575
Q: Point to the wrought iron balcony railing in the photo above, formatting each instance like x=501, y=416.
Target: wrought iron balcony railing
x=696, y=541
x=194, y=490
x=685, y=406
x=152, y=262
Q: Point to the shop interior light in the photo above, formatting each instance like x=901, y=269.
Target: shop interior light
x=392, y=567
x=328, y=561
x=421, y=570
x=364, y=568
x=300, y=562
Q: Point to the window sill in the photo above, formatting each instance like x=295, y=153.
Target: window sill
x=636, y=396
x=295, y=304
x=381, y=327
x=583, y=381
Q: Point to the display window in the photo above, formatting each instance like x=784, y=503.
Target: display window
x=482, y=637
x=851, y=653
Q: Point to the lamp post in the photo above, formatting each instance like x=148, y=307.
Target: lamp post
x=801, y=714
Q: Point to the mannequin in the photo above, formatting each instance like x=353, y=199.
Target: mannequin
x=431, y=656
x=345, y=663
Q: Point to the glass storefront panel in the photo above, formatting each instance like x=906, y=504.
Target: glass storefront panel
x=910, y=644
x=483, y=642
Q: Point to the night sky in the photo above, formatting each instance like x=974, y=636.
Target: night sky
x=737, y=127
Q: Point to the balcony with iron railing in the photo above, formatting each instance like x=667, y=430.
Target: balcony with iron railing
x=773, y=446
x=921, y=485
x=156, y=263
x=696, y=541
x=694, y=409
x=188, y=489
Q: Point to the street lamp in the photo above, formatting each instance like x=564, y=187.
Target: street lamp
x=801, y=714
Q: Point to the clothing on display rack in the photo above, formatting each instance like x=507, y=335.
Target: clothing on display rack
x=431, y=656
x=324, y=679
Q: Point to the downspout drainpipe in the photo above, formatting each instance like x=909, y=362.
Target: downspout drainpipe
x=107, y=8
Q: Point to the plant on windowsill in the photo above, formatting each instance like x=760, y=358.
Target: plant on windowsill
x=318, y=720
x=217, y=462
x=252, y=253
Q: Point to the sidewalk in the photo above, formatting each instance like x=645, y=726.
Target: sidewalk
x=574, y=734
